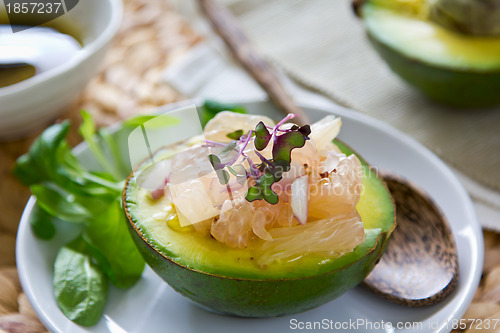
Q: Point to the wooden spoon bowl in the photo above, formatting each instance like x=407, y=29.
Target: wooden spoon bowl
x=420, y=264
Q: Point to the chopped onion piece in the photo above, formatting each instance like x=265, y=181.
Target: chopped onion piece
x=299, y=199
x=158, y=193
x=153, y=176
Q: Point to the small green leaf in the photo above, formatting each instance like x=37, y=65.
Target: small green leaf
x=254, y=193
x=285, y=143
x=88, y=132
x=236, y=135
x=232, y=170
x=118, y=159
x=228, y=148
x=80, y=287
x=41, y=161
x=60, y=205
x=262, y=190
x=223, y=176
x=278, y=168
x=270, y=196
x=262, y=136
x=210, y=108
x=26, y=172
x=113, y=248
x=266, y=180
x=237, y=170
x=215, y=161
x=42, y=223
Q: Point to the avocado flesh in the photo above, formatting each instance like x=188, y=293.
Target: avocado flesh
x=229, y=281
x=451, y=67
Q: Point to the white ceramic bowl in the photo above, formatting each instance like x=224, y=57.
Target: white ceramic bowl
x=35, y=102
x=152, y=306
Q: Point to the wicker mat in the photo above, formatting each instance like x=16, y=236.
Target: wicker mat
x=151, y=37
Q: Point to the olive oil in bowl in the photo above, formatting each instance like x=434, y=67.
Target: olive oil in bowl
x=33, y=51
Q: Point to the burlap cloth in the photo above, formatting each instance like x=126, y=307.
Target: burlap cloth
x=152, y=36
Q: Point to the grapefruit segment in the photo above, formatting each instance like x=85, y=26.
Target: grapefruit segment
x=330, y=237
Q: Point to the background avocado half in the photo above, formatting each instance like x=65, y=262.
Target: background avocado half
x=438, y=47
x=227, y=280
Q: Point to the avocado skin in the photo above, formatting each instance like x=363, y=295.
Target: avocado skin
x=258, y=298
x=462, y=89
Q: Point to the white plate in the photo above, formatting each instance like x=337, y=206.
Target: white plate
x=152, y=306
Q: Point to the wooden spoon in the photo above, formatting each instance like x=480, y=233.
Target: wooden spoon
x=257, y=67
x=420, y=265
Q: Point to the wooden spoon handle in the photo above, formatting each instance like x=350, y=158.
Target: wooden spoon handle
x=242, y=50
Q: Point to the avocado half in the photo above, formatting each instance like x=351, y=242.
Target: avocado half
x=450, y=66
x=228, y=281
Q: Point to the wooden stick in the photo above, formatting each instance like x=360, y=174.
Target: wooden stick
x=241, y=48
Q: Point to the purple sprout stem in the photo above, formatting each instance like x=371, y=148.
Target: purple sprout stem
x=284, y=120
x=262, y=158
x=215, y=143
x=278, y=129
x=245, y=144
x=253, y=168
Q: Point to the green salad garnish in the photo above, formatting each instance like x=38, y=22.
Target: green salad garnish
x=66, y=192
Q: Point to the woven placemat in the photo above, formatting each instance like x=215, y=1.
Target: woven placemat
x=151, y=37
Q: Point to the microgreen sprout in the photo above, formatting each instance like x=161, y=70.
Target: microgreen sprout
x=263, y=175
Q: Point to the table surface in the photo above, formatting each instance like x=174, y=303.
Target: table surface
x=151, y=37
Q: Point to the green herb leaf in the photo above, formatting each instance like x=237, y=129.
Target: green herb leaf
x=262, y=190
x=232, y=170
x=285, y=143
x=262, y=136
x=228, y=148
x=278, y=168
x=223, y=176
x=118, y=159
x=210, y=108
x=42, y=223
x=41, y=160
x=254, y=193
x=237, y=170
x=24, y=171
x=60, y=205
x=113, y=248
x=88, y=132
x=80, y=287
x=271, y=197
x=66, y=191
x=266, y=180
x=215, y=161
x=236, y=135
